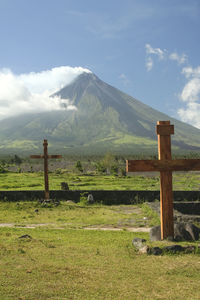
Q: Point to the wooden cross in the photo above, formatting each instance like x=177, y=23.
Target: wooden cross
x=165, y=165
x=46, y=157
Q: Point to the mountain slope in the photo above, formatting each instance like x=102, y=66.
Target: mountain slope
x=106, y=119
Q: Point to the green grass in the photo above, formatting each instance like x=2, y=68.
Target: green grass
x=34, y=181
x=79, y=264
x=64, y=261
x=151, y=215
x=68, y=215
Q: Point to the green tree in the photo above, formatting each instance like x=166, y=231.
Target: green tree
x=78, y=166
x=17, y=160
x=110, y=162
x=3, y=169
x=100, y=167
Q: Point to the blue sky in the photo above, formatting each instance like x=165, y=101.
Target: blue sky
x=149, y=49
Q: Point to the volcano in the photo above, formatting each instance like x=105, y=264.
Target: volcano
x=105, y=119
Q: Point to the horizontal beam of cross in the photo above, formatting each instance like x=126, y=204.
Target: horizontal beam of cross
x=48, y=156
x=163, y=165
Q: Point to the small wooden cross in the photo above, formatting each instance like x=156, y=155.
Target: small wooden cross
x=46, y=157
x=165, y=165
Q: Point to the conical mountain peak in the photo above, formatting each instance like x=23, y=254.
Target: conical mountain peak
x=79, y=86
x=106, y=119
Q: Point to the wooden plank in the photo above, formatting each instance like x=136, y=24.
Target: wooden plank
x=166, y=205
x=163, y=165
x=46, y=180
x=166, y=194
x=49, y=156
x=36, y=156
x=54, y=156
x=165, y=129
x=46, y=157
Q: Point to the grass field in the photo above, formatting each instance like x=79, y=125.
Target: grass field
x=63, y=260
x=74, y=263
x=69, y=215
x=35, y=181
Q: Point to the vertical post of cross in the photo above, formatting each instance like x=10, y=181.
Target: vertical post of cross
x=46, y=181
x=164, y=130
x=45, y=156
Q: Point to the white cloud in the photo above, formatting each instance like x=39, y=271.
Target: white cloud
x=124, y=79
x=156, y=51
x=149, y=63
x=162, y=55
x=191, y=91
x=190, y=72
x=190, y=95
x=31, y=92
x=191, y=114
x=181, y=59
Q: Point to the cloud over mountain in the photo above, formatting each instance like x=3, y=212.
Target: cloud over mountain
x=30, y=92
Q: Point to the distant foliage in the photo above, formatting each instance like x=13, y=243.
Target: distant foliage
x=109, y=164
x=122, y=172
x=3, y=169
x=78, y=166
x=16, y=160
x=100, y=167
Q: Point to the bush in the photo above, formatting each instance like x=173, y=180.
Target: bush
x=78, y=166
x=100, y=167
x=3, y=169
x=84, y=199
x=114, y=170
x=109, y=164
x=122, y=172
x=58, y=171
x=17, y=160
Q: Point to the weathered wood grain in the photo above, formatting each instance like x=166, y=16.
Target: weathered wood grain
x=163, y=165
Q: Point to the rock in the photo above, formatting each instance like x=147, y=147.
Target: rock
x=193, y=230
x=174, y=249
x=25, y=236
x=70, y=202
x=138, y=243
x=189, y=249
x=155, y=251
x=155, y=233
x=182, y=232
x=64, y=186
x=186, y=232
x=144, y=250
x=90, y=199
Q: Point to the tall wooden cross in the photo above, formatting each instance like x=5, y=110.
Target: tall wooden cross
x=45, y=156
x=165, y=165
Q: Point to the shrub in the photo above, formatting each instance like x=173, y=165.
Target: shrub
x=100, y=167
x=3, y=169
x=84, y=199
x=78, y=166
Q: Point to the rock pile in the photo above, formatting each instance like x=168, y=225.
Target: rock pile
x=142, y=248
